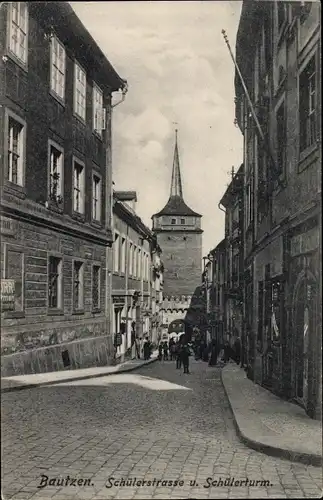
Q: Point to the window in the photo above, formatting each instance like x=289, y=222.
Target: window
x=307, y=105
x=139, y=263
x=55, y=173
x=130, y=258
x=96, y=284
x=123, y=255
x=96, y=198
x=78, y=282
x=16, y=151
x=18, y=30
x=116, y=253
x=55, y=290
x=281, y=137
x=57, y=73
x=182, y=221
x=98, y=115
x=78, y=187
x=173, y=221
x=15, y=271
x=147, y=267
x=135, y=261
x=79, y=91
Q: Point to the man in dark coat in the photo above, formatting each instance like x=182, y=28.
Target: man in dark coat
x=186, y=358
x=178, y=355
x=214, y=353
x=237, y=351
x=146, y=349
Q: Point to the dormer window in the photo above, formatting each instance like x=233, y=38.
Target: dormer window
x=173, y=221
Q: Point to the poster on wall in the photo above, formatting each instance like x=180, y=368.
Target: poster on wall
x=7, y=295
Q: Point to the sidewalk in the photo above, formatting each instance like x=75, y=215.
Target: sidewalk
x=20, y=382
x=269, y=424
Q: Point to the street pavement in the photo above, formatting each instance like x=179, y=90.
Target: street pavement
x=155, y=424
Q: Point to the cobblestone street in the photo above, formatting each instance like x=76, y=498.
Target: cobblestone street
x=137, y=426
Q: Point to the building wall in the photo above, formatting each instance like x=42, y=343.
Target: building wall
x=182, y=257
x=33, y=338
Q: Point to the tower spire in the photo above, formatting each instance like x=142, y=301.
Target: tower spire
x=176, y=184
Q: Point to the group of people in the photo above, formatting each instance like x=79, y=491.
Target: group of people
x=181, y=351
x=175, y=350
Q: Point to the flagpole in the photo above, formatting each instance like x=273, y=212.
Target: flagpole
x=244, y=86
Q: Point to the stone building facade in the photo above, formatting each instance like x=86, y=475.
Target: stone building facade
x=133, y=274
x=281, y=66
x=55, y=123
x=179, y=234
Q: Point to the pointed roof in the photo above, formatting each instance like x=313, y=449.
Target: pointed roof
x=176, y=204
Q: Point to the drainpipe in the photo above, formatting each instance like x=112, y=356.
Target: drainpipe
x=107, y=138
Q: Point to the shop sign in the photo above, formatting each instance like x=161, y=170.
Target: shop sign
x=7, y=295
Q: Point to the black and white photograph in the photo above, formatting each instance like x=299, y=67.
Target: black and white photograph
x=161, y=249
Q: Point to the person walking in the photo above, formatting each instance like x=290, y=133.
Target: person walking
x=186, y=358
x=171, y=343
x=214, y=353
x=160, y=351
x=227, y=351
x=146, y=349
x=178, y=355
x=237, y=350
x=165, y=349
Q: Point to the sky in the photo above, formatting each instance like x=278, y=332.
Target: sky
x=179, y=71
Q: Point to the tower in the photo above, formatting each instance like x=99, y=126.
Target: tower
x=179, y=234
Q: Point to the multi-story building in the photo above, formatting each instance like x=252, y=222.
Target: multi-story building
x=179, y=234
x=233, y=202
x=132, y=276
x=55, y=143
x=281, y=68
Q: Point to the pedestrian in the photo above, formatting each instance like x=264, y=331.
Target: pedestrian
x=165, y=349
x=214, y=353
x=160, y=351
x=186, y=358
x=171, y=343
x=178, y=355
x=146, y=349
x=227, y=352
x=237, y=350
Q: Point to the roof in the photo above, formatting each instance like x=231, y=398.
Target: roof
x=177, y=206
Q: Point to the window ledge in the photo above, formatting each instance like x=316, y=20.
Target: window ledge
x=98, y=135
x=307, y=157
x=57, y=98
x=13, y=314
x=11, y=55
x=15, y=189
x=97, y=224
x=79, y=118
x=78, y=216
x=54, y=207
x=55, y=311
x=78, y=311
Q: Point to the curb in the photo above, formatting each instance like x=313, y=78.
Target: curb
x=273, y=451
x=56, y=382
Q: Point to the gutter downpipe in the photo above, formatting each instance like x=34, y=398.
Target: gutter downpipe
x=109, y=316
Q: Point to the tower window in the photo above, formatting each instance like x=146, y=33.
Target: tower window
x=173, y=221
x=184, y=238
x=182, y=221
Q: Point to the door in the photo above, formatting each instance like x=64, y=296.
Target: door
x=304, y=325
